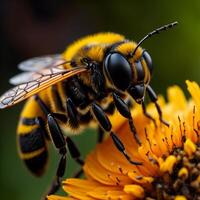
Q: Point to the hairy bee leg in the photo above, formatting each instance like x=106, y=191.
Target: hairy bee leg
x=153, y=97
x=105, y=123
x=147, y=114
x=101, y=134
x=123, y=109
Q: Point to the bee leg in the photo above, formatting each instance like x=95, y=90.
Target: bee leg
x=56, y=183
x=56, y=134
x=147, y=114
x=61, y=117
x=74, y=152
x=42, y=105
x=137, y=92
x=153, y=97
x=100, y=135
x=61, y=145
x=97, y=79
x=124, y=110
x=59, y=142
x=72, y=114
x=105, y=123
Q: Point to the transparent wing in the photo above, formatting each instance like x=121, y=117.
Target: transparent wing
x=21, y=78
x=42, y=80
x=38, y=63
x=25, y=77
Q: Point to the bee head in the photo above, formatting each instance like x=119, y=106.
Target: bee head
x=131, y=77
x=128, y=74
x=142, y=69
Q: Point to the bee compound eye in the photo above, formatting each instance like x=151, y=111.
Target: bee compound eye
x=148, y=61
x=118, y=70
x=140, y=71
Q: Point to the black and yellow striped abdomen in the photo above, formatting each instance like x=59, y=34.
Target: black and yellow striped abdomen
x=31, y=138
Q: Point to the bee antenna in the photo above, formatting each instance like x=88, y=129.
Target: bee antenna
x=156, y=31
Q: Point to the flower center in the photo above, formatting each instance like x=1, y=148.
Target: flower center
x=184, y=179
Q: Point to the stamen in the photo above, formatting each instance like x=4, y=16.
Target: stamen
x=193, y=123
x=147, y=138
x=118, y=180
x=193, y=118
x=120, y=170
x=179, y=119
x=181, y=175
x=184, y=132
x=151, y=159
x=172, y=139
x=167, y=143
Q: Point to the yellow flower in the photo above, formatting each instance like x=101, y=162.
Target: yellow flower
x=170, y=156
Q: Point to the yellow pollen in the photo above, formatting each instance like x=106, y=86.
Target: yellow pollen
x=189, y=147
x=135, y=190
x=183, y=173
x=180, y=197
x=168, y=164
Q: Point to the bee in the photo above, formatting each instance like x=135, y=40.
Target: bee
x=94, y=76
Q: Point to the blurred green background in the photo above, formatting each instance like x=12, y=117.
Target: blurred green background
x=32, y=28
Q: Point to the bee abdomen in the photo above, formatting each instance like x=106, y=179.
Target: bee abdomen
x=37, y=164
x=33, y=150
